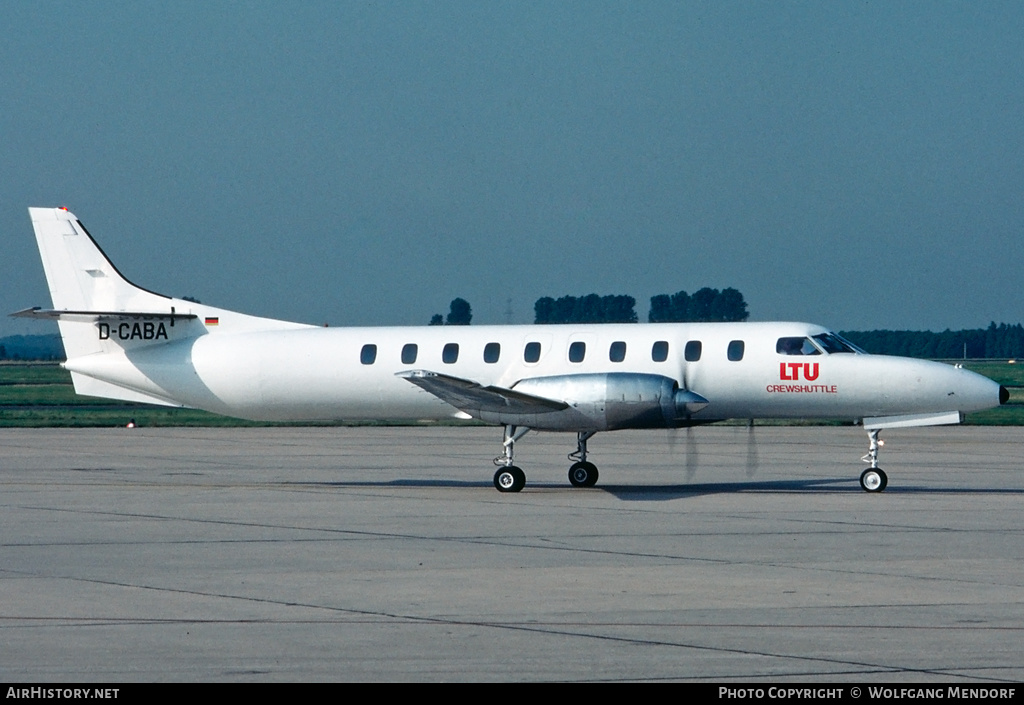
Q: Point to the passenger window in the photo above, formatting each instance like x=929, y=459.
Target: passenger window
x=531, y=353
x=659, y=351
x=577, y=351
x=617, y=352
x=796, y=346
x=492, y=351
x=368, y=355
x=450, y=353
x=409, y=351
x=693, y=350
x=735, y=352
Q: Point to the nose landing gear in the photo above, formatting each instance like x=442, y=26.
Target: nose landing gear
x=873, y=479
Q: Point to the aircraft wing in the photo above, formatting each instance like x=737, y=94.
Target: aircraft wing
x=472, y=398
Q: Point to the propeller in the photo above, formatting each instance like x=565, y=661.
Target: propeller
x=690, y=450
x=751, y=449
x=692, y=454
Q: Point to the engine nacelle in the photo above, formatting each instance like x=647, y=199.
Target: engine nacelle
x=613, y=400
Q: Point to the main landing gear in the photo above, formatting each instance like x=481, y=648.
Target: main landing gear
x=582, y=473
x=510, y=478
x=873, y=479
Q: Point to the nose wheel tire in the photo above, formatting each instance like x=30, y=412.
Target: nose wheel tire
x=583, y=474
x=873, y=480
x=509, y=479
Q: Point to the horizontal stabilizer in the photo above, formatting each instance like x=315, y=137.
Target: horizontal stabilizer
x=909, y=420
x=472, y=398
x=89, y=316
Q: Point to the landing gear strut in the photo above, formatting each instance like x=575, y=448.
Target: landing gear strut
x=873, y=479
x=582, y=473
x=508, y=477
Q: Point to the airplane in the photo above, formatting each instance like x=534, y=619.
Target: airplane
x=125, y=342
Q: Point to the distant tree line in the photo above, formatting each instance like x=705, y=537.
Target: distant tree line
x=585, y=309
x=705, y=304
x=460, y=313
x=996, y=341
x=31, y=347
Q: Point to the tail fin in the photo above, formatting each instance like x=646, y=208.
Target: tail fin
x=84, y=284
x=107, y=323
x=80, y=276
x=100, y=311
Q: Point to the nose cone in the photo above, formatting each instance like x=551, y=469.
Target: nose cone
x=974, y=392
x=921, y=386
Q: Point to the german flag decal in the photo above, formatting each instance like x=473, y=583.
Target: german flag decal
x=212, y=321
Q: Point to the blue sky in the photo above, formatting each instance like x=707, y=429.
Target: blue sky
x=859, y=165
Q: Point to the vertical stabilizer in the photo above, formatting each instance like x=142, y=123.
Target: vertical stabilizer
x=82, y=279
x=79, y=275
x=99, y=311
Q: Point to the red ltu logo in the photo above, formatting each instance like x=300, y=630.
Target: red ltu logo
x=791, y=370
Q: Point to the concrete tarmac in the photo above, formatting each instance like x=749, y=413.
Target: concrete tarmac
x=386, y=554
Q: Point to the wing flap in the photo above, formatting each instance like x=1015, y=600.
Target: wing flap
x=474, y=399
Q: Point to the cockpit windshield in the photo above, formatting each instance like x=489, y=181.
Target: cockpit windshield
x=833, y=343
x=829, y=343
x=796, y=346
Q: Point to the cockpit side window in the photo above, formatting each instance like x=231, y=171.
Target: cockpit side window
x=796, y=346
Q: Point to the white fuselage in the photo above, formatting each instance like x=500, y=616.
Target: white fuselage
x=308, y=373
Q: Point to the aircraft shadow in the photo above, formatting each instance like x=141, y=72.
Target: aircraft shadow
x=661, y=493
x=653, y=493
x=636, y=493
x=633, y=493
x=664, y=493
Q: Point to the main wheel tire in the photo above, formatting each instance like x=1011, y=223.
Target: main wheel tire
x=509, y=479
x=873, y=480
x=583, y=474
